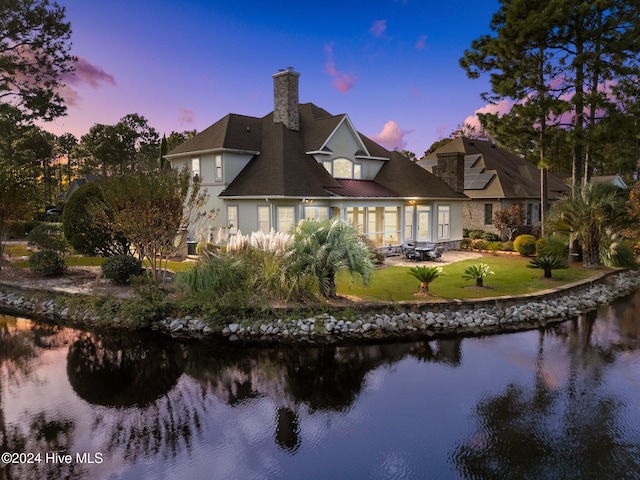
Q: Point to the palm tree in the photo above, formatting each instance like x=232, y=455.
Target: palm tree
x=548, y=263
x=477, y=272
x=426, y=275
x=323, y=248
x=587, y=215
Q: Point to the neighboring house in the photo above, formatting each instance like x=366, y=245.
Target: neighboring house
x=75, y=185
x=300, y=162
x=611, y=179
x=494, y=179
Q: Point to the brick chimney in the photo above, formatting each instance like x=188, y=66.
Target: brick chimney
x=450, y=169
x=285, y=98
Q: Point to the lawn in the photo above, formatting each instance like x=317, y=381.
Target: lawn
x=511, y=277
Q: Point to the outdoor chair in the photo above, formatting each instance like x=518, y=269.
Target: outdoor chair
x=436, y=254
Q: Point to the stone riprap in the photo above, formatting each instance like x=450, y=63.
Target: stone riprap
x=488, y=315
x=411, y=318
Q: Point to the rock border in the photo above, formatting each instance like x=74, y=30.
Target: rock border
x=371, y=321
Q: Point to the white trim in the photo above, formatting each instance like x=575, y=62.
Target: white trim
x=354, y=132
x=213, y=150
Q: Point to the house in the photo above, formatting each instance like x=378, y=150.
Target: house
x=300, y=162
x=75, y=185
x=494, y=179
x=610, y=179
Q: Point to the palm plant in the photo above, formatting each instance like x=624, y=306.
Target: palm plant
x=321, y=248
x=477, y=272
x=548, y=263
x=587, y=215
x=426, y=275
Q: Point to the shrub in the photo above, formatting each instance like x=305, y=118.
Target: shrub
x=493, y=247
x=480, y=245
x=507, y=246
x=553, y=245
x=466, y=244
x=120, y=268
x=490, y=237
x=48, y=236
x=425, y=276
x=477, y=272
x=525, y=245
x=548, y=263
x=47, y=263
x=80, y=228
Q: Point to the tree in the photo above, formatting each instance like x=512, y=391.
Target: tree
x=129, y=145
x=323, y=248
x=425, y=276
x=477, y=272
x=14, y=204
x=175, y=139
x=149, y=210
x=83, y=232
x=510, y=219
x=65, y=146
x=556, y=59
x=588, y=215
x=34, y=57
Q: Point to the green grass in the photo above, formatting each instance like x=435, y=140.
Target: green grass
x=512, y=277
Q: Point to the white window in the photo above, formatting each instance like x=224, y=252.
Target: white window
x=218, y=168
x=286, y=219
x=391, y=225
x=343, y=168
x=444, y=221
x=232, y=219
x=264, y=222
x=316, y=213
x=195, y=167
x=408, y=222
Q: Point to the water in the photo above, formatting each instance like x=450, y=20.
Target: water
x=558, y=403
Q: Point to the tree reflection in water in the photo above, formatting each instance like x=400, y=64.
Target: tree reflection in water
x=569, y=431
x=20, y=340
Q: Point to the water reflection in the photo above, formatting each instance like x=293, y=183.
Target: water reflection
x=561, y=402
x=122, y=370
x=572, y=429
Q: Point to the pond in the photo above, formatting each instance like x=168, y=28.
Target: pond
x=561, y=402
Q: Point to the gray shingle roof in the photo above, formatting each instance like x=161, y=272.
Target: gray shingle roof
x=518, y=178
x=283, y=168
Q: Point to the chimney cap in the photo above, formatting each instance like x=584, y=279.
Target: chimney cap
x=287, y=71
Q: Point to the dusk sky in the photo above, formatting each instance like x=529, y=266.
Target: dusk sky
x=391, y=65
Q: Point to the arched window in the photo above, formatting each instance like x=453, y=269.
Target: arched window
x=342, y=168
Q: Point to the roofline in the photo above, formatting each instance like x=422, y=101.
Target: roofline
x=212, y=150
x=347, y=120
x=268, y=198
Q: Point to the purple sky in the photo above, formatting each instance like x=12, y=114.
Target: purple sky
x=391, y=65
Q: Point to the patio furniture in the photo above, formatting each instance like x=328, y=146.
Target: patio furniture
x=436, y=254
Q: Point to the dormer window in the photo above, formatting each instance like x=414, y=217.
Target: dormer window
x=343, y=168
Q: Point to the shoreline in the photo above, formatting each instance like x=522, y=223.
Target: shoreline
x=356, y=322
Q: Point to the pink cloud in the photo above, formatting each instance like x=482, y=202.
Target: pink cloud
x=186, y=116
x=378, y=28
x=391, y=136
x=342, y=81
x=89, y=74
x=414, y=90
x=421, y=44
x=502, y=107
